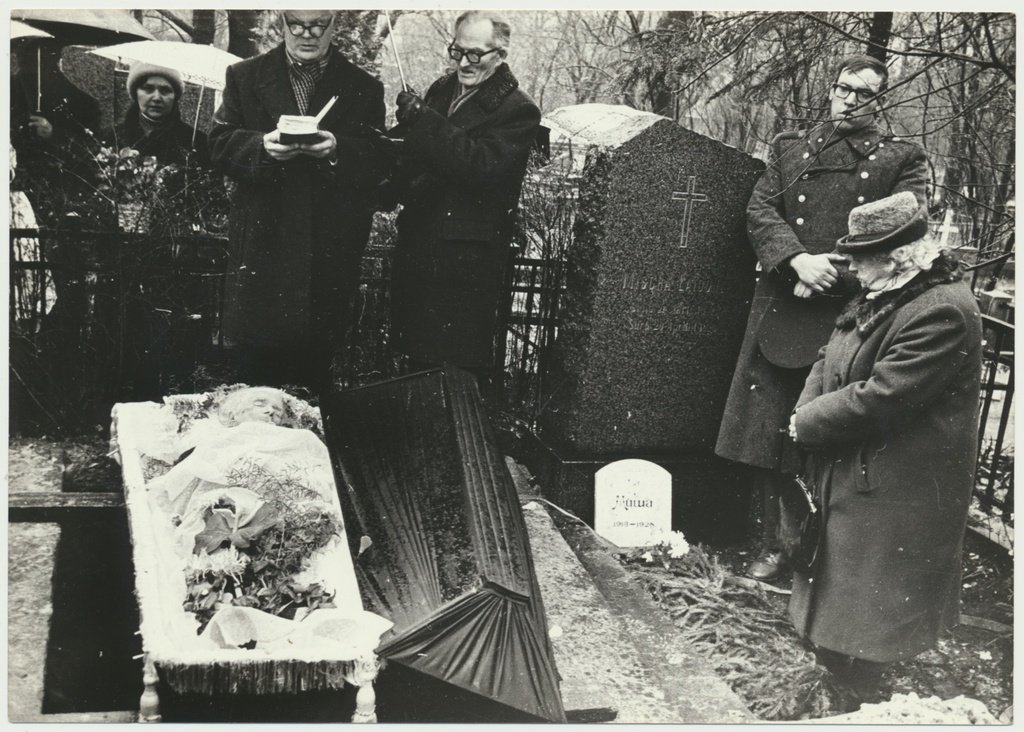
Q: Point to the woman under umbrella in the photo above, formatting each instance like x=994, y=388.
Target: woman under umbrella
x=890, y=413
x=153, y=123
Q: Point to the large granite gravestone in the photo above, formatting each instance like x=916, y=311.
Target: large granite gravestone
x=658, y=284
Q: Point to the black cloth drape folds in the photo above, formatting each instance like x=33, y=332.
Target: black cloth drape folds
x=438, y=538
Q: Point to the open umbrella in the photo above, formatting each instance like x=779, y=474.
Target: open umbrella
x=84, y=27
x=197, y=64
x=204, y=66
x=21, y=30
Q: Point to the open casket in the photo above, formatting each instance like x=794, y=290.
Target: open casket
x=194, y=510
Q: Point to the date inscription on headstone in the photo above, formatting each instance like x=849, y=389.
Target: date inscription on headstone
x=632, y=502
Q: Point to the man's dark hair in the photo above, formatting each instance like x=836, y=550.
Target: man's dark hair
x=859, y=62
x=502, y=31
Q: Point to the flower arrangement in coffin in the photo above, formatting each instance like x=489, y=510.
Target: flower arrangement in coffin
x=257, y=537
x=252, y=538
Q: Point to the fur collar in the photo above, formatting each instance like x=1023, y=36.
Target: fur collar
x=492, y=91
x=868, y=314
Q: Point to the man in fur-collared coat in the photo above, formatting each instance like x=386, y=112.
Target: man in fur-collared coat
x=301, y=214
x=798, y=210
x=466, y=146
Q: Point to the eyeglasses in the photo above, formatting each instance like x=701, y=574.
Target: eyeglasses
x=863, y=95
x=298, y=29
x=472, y=56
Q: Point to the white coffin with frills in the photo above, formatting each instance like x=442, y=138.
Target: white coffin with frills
x=242, y=650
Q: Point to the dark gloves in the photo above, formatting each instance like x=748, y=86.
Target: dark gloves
x=410, y=107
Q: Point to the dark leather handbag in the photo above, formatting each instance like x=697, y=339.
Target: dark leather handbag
x=801, y=526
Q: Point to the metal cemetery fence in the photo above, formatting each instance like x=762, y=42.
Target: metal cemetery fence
x=97, y=317
x=140, y=318
x=994, y=479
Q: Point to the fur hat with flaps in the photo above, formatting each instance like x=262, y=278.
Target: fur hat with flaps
x=140, y=72
x=885, y=224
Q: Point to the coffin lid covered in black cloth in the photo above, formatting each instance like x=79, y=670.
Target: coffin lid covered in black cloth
x=428, y=499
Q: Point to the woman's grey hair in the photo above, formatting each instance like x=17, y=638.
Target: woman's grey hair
x=920, y=254
x=235, y=404
x=502, y=30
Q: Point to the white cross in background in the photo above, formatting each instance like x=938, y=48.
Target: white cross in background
x=688, y=197
x=947, y=228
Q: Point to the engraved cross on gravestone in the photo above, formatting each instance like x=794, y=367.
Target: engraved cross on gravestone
x=649, y=331
x=688, y=197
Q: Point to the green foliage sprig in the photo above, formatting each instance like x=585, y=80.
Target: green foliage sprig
x=262, y=574
x=125, y=175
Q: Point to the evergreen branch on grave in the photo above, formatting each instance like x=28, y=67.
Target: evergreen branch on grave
x=737, y=629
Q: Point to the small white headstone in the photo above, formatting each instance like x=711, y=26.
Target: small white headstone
x=632, y=502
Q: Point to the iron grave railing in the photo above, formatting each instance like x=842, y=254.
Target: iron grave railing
x=994, y=505
x=168, y=292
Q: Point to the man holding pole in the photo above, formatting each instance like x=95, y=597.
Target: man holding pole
x=301, y=215
x=52, y=123
x=466, y=146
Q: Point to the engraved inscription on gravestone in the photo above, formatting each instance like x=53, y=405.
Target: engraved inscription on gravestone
x=632, y=502
x=657, y=289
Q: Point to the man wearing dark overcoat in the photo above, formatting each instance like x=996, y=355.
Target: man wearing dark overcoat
x=301, y=214
x=797, y=212
x=466, y=146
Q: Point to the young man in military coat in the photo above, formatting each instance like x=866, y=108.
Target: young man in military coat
x=466, y=146
x=300, y=217
x=797, y=212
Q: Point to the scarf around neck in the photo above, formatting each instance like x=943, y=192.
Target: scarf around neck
x=304, y=78
x=866, y=313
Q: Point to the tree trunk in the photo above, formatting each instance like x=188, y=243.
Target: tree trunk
x=881, y=32
x=242, y=39
x=203, y=26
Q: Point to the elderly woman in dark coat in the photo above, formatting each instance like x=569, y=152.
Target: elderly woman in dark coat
x=153, y=123
x=890, y=413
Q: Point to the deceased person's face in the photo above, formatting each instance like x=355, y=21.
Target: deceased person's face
x=257, y=405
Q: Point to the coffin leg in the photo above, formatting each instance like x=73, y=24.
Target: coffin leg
x=149, y=702
x=362, y=676
x=366, y=705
